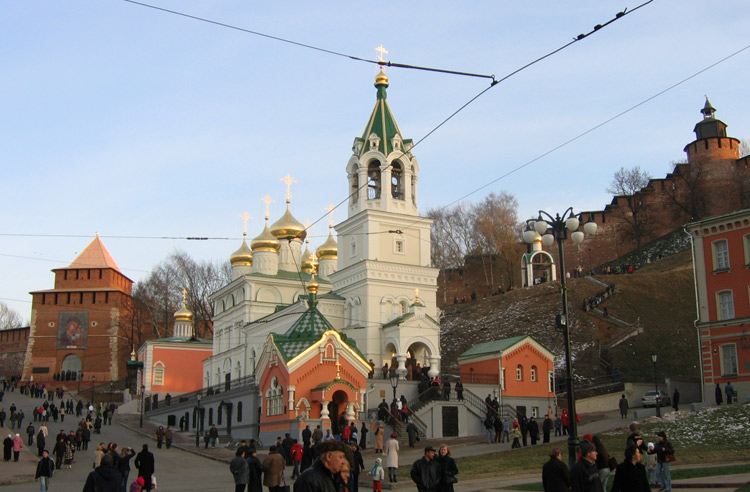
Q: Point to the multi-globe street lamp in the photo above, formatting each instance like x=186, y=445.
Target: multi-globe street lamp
x=551, y=229
x=656, y=387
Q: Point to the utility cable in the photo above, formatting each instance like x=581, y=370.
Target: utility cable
x=311, y=47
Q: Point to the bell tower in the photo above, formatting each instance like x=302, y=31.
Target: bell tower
x=384, y=252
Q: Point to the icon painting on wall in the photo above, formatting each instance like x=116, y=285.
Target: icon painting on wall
x=72, y=329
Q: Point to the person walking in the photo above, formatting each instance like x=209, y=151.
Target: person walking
x=729, y=391
x=296, y=453
x=602, y=461
x=30, y=431
x=546, y=428
x=359, y=467
x=41, y=442
x=7, y=447
x=717, y=394
x=363, y=436
x=391, y=457
x=255, y=471
x=213, y=434
x=273, y=469
x=144, y=461
x=159, y=436
x=240, y=470
x=123, y=465
x=17, y=446
x=623, y=407
x=448, y=468
x=378, y=475
x=555, y=475
x=664, y=455
x=425, y=472
x=533, y=428
x=168, y=437
x=379, y=430
x=585, y=477
x=104, y=478
x=630, y=475
x=44, y=470
x=676, y=400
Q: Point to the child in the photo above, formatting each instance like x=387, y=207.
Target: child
x=650, y=463
x=137, y=485
x=516, y=437
x=378, y=475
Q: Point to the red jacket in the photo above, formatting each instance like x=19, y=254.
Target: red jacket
x=296, y=452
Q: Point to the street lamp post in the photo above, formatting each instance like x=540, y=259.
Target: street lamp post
x=197, y=422
x=394, y=383
x=111, y=389
x=551, y=229
x=656, y=387
x=93, y=380
x=143, y=392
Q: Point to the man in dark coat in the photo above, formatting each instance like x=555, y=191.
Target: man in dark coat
x=533, y=429
x=323, y=475
x=718, y=394
x=105, y=477
x=306, y=436
x=555, y=475
x=631, y=474
x=7, y=447
x=585, y=476
x=523, y=424
x=255, y=477
x=676, y=400
x=425, y=472
x=623, y=407
x=546, y=428
x=144, y=461
x=411, y=429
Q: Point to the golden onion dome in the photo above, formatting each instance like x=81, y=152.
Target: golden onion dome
x=243, y=256
x=309, y=261
x=287, y=227
x=312, y=285
x=184, y=314
x=329, y=249
x=381, y=78
x=265, y=241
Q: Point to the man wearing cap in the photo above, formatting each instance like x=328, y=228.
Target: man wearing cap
x=662, y=449
x=323, y=475
x=585, y=476
x=425, y=472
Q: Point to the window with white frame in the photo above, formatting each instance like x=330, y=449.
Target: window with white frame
x=729, y=360
x=533, y=373
x=725, y=304
x=551, y=379
x=721, y=254
x=274, y=398
x=746, y=244
x=399, y=246
x=502, y=379
x=535, y=412
x=519, y=372
x=158, y=379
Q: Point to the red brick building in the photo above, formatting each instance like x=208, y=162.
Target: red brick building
x=689, y=192
x=721, y=261
x=80, y=326
x=522, y=367
x=12, y=351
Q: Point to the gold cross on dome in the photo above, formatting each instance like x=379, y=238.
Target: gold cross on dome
x=330, y=209
x=381, y=51
x=268, y=201
x=245, y=217
x=288, y=180
x=416, y=293
x=184, y=296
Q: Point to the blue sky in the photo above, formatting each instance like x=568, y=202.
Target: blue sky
x=132, y=122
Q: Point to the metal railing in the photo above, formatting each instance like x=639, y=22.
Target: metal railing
x=216, y=389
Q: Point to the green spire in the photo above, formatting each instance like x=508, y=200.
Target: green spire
x=381, y=122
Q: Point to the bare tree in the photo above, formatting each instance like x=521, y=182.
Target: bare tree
x=632, y=210
x=499, y=232
x=744, y=147
x=9, y=318
x=161, y=293
x=453, y=237
x=687, y=190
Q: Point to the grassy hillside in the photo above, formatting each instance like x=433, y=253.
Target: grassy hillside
x=661, y=295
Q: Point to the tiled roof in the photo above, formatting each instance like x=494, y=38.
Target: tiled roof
x=95, y=256
x=492, y=347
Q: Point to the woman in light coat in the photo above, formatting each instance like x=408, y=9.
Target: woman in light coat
x=391, y=453
x=379, y=439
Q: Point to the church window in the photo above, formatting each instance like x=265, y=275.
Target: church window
x=721, y=254
x=533, y=373
x=353, y=248
x=219, y=415
x=397, y=181
x=274, y=398
x=519, y=372
x=399, y=246
x=355, y=185
x=373, y=180
x=158, y=379
x=551, y=379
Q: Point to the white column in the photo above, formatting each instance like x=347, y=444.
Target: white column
x=434, y=366
x=290, y=391
x=401, y=366
x=350, y=411
x=324, y=411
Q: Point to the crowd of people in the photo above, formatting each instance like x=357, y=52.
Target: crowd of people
x=644, y=465
x=111, y=465
x=595, y=300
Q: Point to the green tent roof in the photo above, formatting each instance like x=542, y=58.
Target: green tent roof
x=491, y=347
x=383, y=124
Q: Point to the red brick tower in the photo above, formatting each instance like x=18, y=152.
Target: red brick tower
x=77, y=328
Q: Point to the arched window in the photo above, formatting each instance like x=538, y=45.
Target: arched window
x=210, y=416
x=413, y=186
x=397, y=181
x=239, y=411
x=373, y=180
x=519, y=372
x=219, y=415
x=533, y=373
x=354, y=180
x=274, y=398
x=158, y=377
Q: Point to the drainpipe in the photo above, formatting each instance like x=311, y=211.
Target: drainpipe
x=697, y=312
